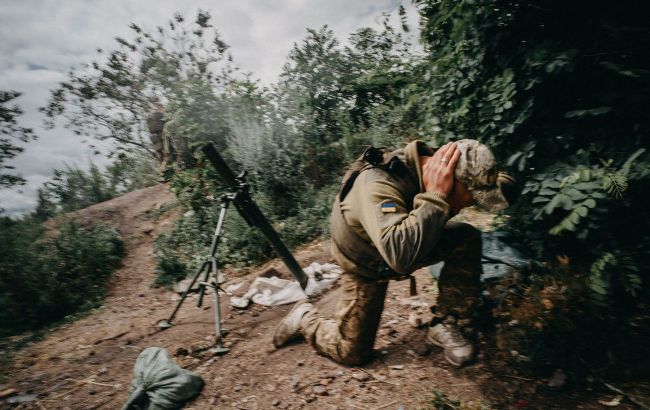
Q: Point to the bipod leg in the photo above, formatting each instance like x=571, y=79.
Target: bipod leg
x=218, y=348
x=204, y=283
x=167, y=323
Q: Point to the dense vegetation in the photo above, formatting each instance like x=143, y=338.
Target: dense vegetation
x=47, y=276
x=73, y=188
x=10, y=133
x=557, y=90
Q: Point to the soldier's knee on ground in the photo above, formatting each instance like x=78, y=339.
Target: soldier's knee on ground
x=353, y=354
x=350, y=358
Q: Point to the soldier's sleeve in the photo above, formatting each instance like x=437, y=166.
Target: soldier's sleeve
x=403, y=238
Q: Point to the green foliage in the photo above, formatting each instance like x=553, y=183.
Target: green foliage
x=440, y=401
x=589, y=322
x=9, y=132
x=72, y=188
x=183, y=63
x=45, y=276
x=556, y=91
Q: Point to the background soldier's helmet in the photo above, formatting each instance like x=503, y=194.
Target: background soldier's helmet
x=477, y=170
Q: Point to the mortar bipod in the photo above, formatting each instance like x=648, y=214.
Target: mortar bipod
x=208, y=268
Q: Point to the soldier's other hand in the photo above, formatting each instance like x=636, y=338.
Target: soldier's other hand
x=438, y=170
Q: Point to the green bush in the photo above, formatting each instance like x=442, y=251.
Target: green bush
x=45, y=277
x=558, y=90
x=73, y=188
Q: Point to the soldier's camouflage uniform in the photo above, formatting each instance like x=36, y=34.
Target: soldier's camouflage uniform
x=168, y=146
x=396, y=228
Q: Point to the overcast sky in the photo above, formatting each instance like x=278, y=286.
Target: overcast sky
x=43, y=39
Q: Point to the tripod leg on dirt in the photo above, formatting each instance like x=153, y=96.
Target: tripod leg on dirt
x=164, y=324
x=204, y=283
x=218, y=348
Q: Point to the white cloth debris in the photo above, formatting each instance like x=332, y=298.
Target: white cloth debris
x=234, y=287
x=274, y=291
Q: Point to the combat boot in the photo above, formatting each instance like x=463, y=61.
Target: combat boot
x=289, y=328
x=457, y=350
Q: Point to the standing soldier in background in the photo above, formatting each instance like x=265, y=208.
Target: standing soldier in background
x=177, y=144
x=156, y=124
x=390, y=218
x=169, y=148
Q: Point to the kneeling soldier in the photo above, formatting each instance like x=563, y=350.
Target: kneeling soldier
x=390, y=218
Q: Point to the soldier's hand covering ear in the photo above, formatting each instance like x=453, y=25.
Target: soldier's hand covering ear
x=438, y=170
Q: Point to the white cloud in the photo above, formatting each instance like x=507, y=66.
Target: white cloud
x=43, y=39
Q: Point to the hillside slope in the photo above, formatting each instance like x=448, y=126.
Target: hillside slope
x=88, y=364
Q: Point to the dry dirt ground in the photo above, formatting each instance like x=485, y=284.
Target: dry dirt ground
x=87, y=364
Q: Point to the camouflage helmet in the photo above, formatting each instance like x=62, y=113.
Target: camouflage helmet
x=477, y=170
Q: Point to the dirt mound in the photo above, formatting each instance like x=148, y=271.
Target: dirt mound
x=88, y=364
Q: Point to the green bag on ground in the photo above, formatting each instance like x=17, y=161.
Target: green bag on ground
x=160, y=384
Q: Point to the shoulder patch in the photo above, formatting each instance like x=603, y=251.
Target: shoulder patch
x=388, y=207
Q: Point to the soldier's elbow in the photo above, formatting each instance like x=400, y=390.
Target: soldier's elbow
x=401, y=264
x=397, y=254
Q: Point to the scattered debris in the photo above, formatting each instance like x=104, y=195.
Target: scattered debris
x=422, y=349
x=8, y=392
x=415, y=320
x=520, y=357
x=181, y=286
x=413, y=301
x=361, y=377
x=25, y=398
x=392, y=403
x=320, y=390
x=116, y=336
x=634, y=400
x=270, y=272
x=613, y=402
x=558, y=380
x=234, y=287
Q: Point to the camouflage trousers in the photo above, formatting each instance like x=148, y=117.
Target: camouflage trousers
x=349, y=337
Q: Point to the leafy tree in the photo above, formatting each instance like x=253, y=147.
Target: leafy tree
x=179, y=66
x=10, y=131
x=386, y=65
x=312, y=92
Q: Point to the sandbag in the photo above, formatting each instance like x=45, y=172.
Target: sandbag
x=160, y=384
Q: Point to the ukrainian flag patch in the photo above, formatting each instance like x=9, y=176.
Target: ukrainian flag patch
x=388, y=207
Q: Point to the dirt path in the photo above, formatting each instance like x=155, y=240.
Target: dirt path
x=88, y=364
